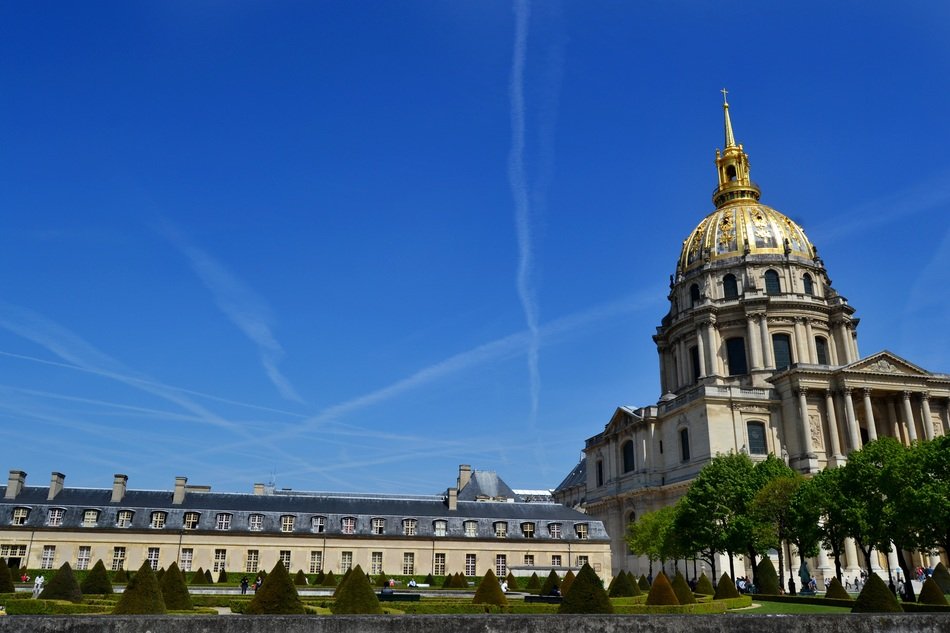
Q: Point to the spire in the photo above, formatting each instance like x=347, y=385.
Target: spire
x=730, y=138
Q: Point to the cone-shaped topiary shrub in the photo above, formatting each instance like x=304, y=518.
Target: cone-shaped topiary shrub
x=726, y=588
x=681, y=588
x=704, y=585
x=875, y=597
x=318, y=579
x=566, y=583
x=620, y=586
x=512, y=581
x=6, y=578
x=430, y=580
x=209, y=579
x=277, y=595
x=62, y=586
x=174, y=590
x=552, y=581
x=346, y=576
x=97, y=580
x=329, y=580
x=766, y=578
x=222, y=576
x=198, y=578
x=661, y=593
x=142, y=596
x=931, y=593
x=836, y=591
x=586, y=594
x=120, y=576
x=159, y=574
x=942, y=577
x=489, y=591
x=643, y=583
x=534, y=584
x=300, y=579
x=448, y=581
x=459, y=581
x=382, y=580
x=355, y=595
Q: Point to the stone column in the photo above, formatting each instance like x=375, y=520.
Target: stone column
x=812, y=350
x=807, y=444
x=895, y=425
x=841, y=343
x=755, y=348
x=853, y=335
x=892, y=560
x=712, y=368
x=700, y=352
x=869, y=414
x=801, y=345
x=664, y=384
x=716, y=351
x=909, y=417
x=853, y=432
x=926, y=415
x=946, y=417
x=851, y=553
x=767, y=356
x=832, y=425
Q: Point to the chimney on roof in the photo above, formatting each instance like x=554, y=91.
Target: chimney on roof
x=55, y=485
x=15, y=484
x=118, y=487
x=452, y=500
x=465, y=474
x=179, y=497
x=259, y=489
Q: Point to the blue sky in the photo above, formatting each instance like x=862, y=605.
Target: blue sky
x=351, y=245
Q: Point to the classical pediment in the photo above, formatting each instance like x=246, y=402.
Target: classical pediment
x=621, y=418
x=886, y=363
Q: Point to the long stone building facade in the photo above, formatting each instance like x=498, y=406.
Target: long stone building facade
x=476, y=525
x=757, y=354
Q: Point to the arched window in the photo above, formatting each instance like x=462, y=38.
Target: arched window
x=684, y=445
x=628, y=462
x=821, y=350
x=693, y=295
x=808, y=284
x=782, y=348
x=735, y=354
x=772, y=285
x=600, y=473
x=757, y=445
x=730, y=287
x=694, y=361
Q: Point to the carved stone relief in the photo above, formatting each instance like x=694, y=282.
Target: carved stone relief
x=814, y=424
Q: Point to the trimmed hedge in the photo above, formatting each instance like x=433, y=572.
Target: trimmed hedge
x=704, y=586
x=329, y=580
x=680, y=587
x=643, y=583
x=621, y=586
x=142, y=596
x=931, y=593
x=726, y=588
x=714, y=606
x=53, y=607
x=799, y=599
x=766, y=579
x=355, y=595
x=534, y=584
x=552, y=581
x=875, y=597
x=277, y=596
x=567, y=582
x=174, y=590
x=942, y=576
x=661, y=593
x=62, y=586
x=586, y=594
x=836, y=591
x=489, y=591
x=198, y=578
x=300, y=579
x=6, y=578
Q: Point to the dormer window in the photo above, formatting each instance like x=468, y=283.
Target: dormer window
x=255, y=522
x=580, y=529
x=470, y=528
x=348, y=525
x=318, y=524
x=90, y=518
x=222, y=521
x=527, y=530
x=20, y=515
x=409, y=527
x=54, y=517
x=157, y=521
x=190, y=521
x=379, y=526
x=501, y=529
x=440, y=527
x=287, y=523
x=554, y=530
x=124, y=518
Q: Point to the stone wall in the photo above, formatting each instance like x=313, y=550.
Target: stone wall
x=900, y=623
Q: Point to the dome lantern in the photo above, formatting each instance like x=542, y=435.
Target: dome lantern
x=732, y=164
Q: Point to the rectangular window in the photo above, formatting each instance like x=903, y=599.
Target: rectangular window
x=187, y=556
x=49, y=554
x=470, y=564
x=252, y=561
x=158, y=520
x=554, y=530
x=555, y=560
x=255, y=523
x=190, y=521
x=694, y=362
x=527, y=530
x=471, y=528
x=782, y=349
x=346, y=561
x=220, y=560
x=55, y=517
x=124, y=519
x=756, y=438
x=376, y=563
x=287, y=523
x=118, y=558
x=379, y=526
x=222, y=521
x=12, y=551
x=19, y=516
x=821, y=350
x=152, y=558
x=501, y=529
x=318, y=524
x=735, y=355
x=580, y=530
x=501, y=565
x=348, y=525
x=316, y=561
x=581, y=561
x=529, y=560
x=408, y=564
x=90, y=518
x=440, y=528
x=82, y=560
x=285, y=558
x=438, y=566
x=409, y=527
x=684, y=445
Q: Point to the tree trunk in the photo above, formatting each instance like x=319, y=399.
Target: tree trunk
x=781, y=563
x=732, y=566
x=908, y=585
x=836, y=552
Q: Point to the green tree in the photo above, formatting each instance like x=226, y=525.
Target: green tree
x=277, y=595
x=586, y=594
x=652, y=535
x=62, y=586
x=356, y=595
x=142, y=596
x=97, y=580
x=824, y=493
x=174, y=590
x=772, y=507
x=489, y=591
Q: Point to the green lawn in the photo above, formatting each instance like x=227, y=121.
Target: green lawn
x=770, y=608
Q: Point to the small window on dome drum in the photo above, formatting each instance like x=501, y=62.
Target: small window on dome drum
x=735, y=354
x=693, y=295
x=772, y=285
x=782, y=348
x=821, y=350
x=730, y=287
x=808, y=284
x=628, y=461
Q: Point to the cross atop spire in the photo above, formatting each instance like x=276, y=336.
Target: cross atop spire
x=724, y=93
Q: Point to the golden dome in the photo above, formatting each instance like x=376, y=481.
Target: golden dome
x=744, y=227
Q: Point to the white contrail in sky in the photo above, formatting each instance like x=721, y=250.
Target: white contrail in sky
x=519, y=189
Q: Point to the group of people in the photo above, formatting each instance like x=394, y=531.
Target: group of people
x=744, y=585
x=245, y=584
